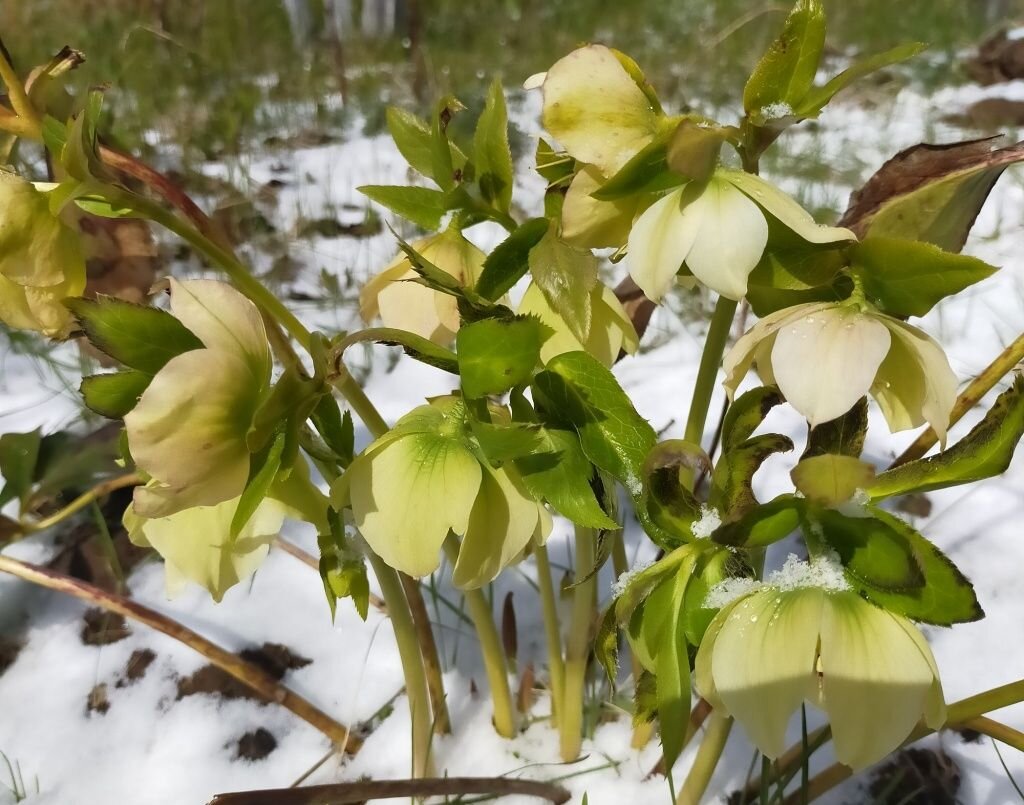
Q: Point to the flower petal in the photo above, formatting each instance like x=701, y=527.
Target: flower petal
x=596, y=110
x=764, y=661
x=503, y=520
x=824, y=362
x=37, y=249
x=660, y=240
x=915, y=383
x=410, y=306
x=785, y=208
x=875, y=680
x=406, y=496
x=739, y=359
x=188, y=430
x=590, y=223
x=730, y=242
x=224, y=320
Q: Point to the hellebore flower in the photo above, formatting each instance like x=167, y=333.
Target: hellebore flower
x=718, y=229
x=414, y=307
x=803, y=636
x=425, y=478
x=41, y=260
x=188, y=431
x=611, y=330
x=825, y=356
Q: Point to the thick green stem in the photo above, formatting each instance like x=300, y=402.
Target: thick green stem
x=577, y=649
x=412, y=663
x=495, y=661
x=707, y=759
x=552, y=630
x=428, y=650
x=707, y=374
x=643, y=731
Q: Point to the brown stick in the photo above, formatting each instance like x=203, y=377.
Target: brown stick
x=346, y=793
x=249, y=675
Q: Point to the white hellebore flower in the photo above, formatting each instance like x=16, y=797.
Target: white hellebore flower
x=718, y=229
x=423, y=479
x=410, y=306
x=870, y=670
x=825, y=356
x=41, y=260
x=611, y=330
x=188, y=431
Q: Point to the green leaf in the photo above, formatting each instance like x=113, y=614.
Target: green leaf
x=842, y=436
x=817, y=98
x=19, y=453
x=908, y=278
x=646, y=172
x=114, y=395
x=335, y=429
x=565, y=275
x=556, y=167
x=443, y=161
x=672, y=672
x=579, y=392
x=732, y=490
x=265, y=466
x=946, y=596
x=559, y=472
x=509, y=261
x=984, y=452
x=505, y=442
x=830, y=479
x=495, y=355
x=872, y=552
x=746, y=413
x=140, y=337
x=763, y=525
x=693, y=150
x=414, y=139
x=669, y=471
x=786, y=71
x=421, y=205
x=342, y=569
x=492, y=155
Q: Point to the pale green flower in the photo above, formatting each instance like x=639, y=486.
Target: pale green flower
x=188, y=431
x=410, y=306
x=870, y=670
x=425, y=478
x=611, y=330
x=825, y=356
x=41, y=260
x=718, y=230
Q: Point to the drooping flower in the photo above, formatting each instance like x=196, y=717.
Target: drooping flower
x=718, y=229
x=41, y=260
x=413, y=307
x=188, y=431
x=825, y=356
x=425, y=478
x=611, y=330
x=799, y=640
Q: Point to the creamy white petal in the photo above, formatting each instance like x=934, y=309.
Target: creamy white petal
x=915, y=383
x=37, y=249
x=596, y=110
x=764, y=662
x=875, y=680
x=785, y=208
x=535, y=81
x=410, y=306
x=824, y=362
x=660, y=241
x=590, y=223
x=224, y=320
x=738, y=360
x=406, y=496
x=730, y=241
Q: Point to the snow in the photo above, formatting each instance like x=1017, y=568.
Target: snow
x=151, y=747
x=705, y=525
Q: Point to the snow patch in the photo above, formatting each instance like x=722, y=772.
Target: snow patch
x=709, y=520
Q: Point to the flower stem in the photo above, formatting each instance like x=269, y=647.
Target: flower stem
x=969, y=397
x=707, y=374
x=620, y=564
x=101, y=490
x=428, y=650
x=495, y=661
x=412, y=663
x=577, y=649
x=249, y=675
x=552, y=630
x=707, y=758
x=20, y=102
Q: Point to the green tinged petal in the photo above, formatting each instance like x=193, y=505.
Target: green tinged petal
x=590, y=223
x=661, y=239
